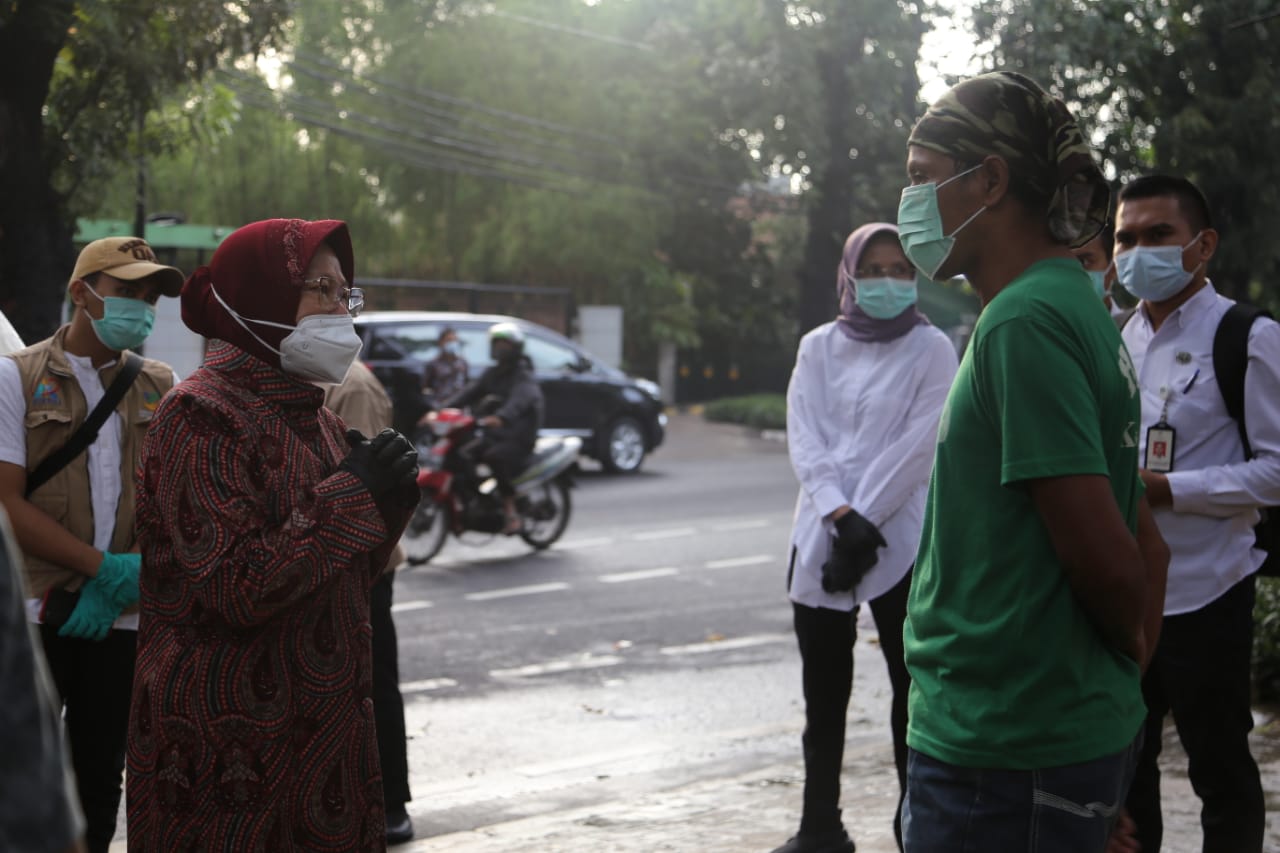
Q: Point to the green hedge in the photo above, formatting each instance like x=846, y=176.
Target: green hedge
x=763, y=411
x=1266, y=640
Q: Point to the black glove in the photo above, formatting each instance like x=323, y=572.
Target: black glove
x=853, y=553
x=386, y=464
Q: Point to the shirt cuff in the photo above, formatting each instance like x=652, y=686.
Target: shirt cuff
x=1190, y=491
x=827, y=499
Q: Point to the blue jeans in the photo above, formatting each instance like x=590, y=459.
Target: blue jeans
x=1069, y=809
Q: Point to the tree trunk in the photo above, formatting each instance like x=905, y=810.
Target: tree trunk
x=35, y=238
x=829, y=201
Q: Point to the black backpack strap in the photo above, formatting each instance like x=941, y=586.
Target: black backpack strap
x=1231, y=358
x=87, y=434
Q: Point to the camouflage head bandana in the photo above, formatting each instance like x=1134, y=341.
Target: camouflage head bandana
x=1007, y=114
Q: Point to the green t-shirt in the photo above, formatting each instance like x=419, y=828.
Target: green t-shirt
x=1007, y=670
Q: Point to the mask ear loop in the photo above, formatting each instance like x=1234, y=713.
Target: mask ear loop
x=241, y=321
x=937, y=187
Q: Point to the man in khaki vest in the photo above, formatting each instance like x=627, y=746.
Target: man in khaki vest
x=363, y=404
x=76, y=530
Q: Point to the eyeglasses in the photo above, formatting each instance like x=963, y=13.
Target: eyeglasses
x=334, y=292
x=891, y=271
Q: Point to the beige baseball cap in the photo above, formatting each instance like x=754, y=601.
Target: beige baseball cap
x=128, y=259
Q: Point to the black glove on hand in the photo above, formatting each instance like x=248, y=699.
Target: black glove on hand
x=389, y=462
x=853, y=553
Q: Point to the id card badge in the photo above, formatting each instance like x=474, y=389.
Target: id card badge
x=1160, y=448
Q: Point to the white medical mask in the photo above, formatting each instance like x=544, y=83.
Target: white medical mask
x=320, y=348
x=1155, y=273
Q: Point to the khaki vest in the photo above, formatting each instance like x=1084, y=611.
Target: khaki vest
x=55, y=409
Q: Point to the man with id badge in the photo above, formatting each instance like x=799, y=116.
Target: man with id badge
x=1207, y=474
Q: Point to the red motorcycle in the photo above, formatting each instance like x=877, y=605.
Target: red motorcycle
x=459, y=493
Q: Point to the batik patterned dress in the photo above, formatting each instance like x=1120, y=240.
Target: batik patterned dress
x=252, y=723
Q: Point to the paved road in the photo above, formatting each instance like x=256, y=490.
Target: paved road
x=636, y=688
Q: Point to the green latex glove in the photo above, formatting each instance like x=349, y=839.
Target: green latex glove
x=104, y=597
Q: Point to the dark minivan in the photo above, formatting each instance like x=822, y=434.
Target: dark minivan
x=620, y=419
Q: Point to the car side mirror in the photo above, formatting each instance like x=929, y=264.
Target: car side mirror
x=583, y=365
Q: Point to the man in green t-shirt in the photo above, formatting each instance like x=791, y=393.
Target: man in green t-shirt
x=1040, y=577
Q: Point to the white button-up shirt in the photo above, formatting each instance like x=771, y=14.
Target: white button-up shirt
x=862, y=424
x=1216, y=493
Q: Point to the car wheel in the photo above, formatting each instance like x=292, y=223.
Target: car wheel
x=622, y=450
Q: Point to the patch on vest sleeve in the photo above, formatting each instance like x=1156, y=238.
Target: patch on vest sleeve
x=150, y=399
x=48, y=392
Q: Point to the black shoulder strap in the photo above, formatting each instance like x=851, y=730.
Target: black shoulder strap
x=87, y=434
x=1231, y=358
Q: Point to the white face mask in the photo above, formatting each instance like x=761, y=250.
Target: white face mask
x=320, y=348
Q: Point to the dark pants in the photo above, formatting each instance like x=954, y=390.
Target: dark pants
x=94, y=681
x=1200, y=673
x=506, y=458
x=1068, y=809
x=826, y=652
x=388, y=706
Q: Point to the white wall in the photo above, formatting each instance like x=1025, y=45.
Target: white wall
x=600, y=332
x=172, y=342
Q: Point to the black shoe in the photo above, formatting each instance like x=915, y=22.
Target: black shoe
x=832, y=841
x=399, y=827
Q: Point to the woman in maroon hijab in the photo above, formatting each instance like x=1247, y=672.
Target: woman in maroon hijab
x=262, y=527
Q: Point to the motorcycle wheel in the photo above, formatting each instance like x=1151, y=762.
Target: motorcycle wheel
x=545, y=511
x=425, y=534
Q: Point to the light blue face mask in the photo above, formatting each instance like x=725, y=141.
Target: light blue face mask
x=1099, y=279
x=920, y=225
x=125, y=323
x=884, y=298
x=1155, y=273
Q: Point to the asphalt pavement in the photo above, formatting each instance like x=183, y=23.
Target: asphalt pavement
x=636, y=687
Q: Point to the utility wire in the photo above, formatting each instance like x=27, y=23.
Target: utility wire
x=423, y=92
x=454, y=100
x=493, y=11
x=452, y=122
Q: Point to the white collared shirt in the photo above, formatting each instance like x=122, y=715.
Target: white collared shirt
x=862, y=425
x=1216, y=493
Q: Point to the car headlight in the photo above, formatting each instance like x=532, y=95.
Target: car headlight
x=649, y=387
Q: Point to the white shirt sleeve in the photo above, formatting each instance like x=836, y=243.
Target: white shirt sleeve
x=811, y=454
x=904, y=464
x=13, y=415
x=1226, y=490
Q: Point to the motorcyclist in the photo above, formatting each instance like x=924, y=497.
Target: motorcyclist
x=509, y=404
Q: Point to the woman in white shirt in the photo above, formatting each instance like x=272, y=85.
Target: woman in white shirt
x=863, y=407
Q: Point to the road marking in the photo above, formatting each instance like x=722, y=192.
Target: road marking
x=427, y=684
x=735, y=562
x=753, y=524
x=727, y=645
x=668, y=533
x=575, y=544
x=406, y=606
x=556, y=666
x=644, y=575
x=513, y=591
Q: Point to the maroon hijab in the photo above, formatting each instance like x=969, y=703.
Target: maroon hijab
x=855, y=322
x=258, y=272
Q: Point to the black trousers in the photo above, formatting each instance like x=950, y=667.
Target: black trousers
x=94, y=681
x=826, y=640
x=388, y=706
x=506, y=458
x=1200, y=673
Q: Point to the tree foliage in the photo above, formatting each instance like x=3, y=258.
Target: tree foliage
x=76, y=81
x=1175, y=86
